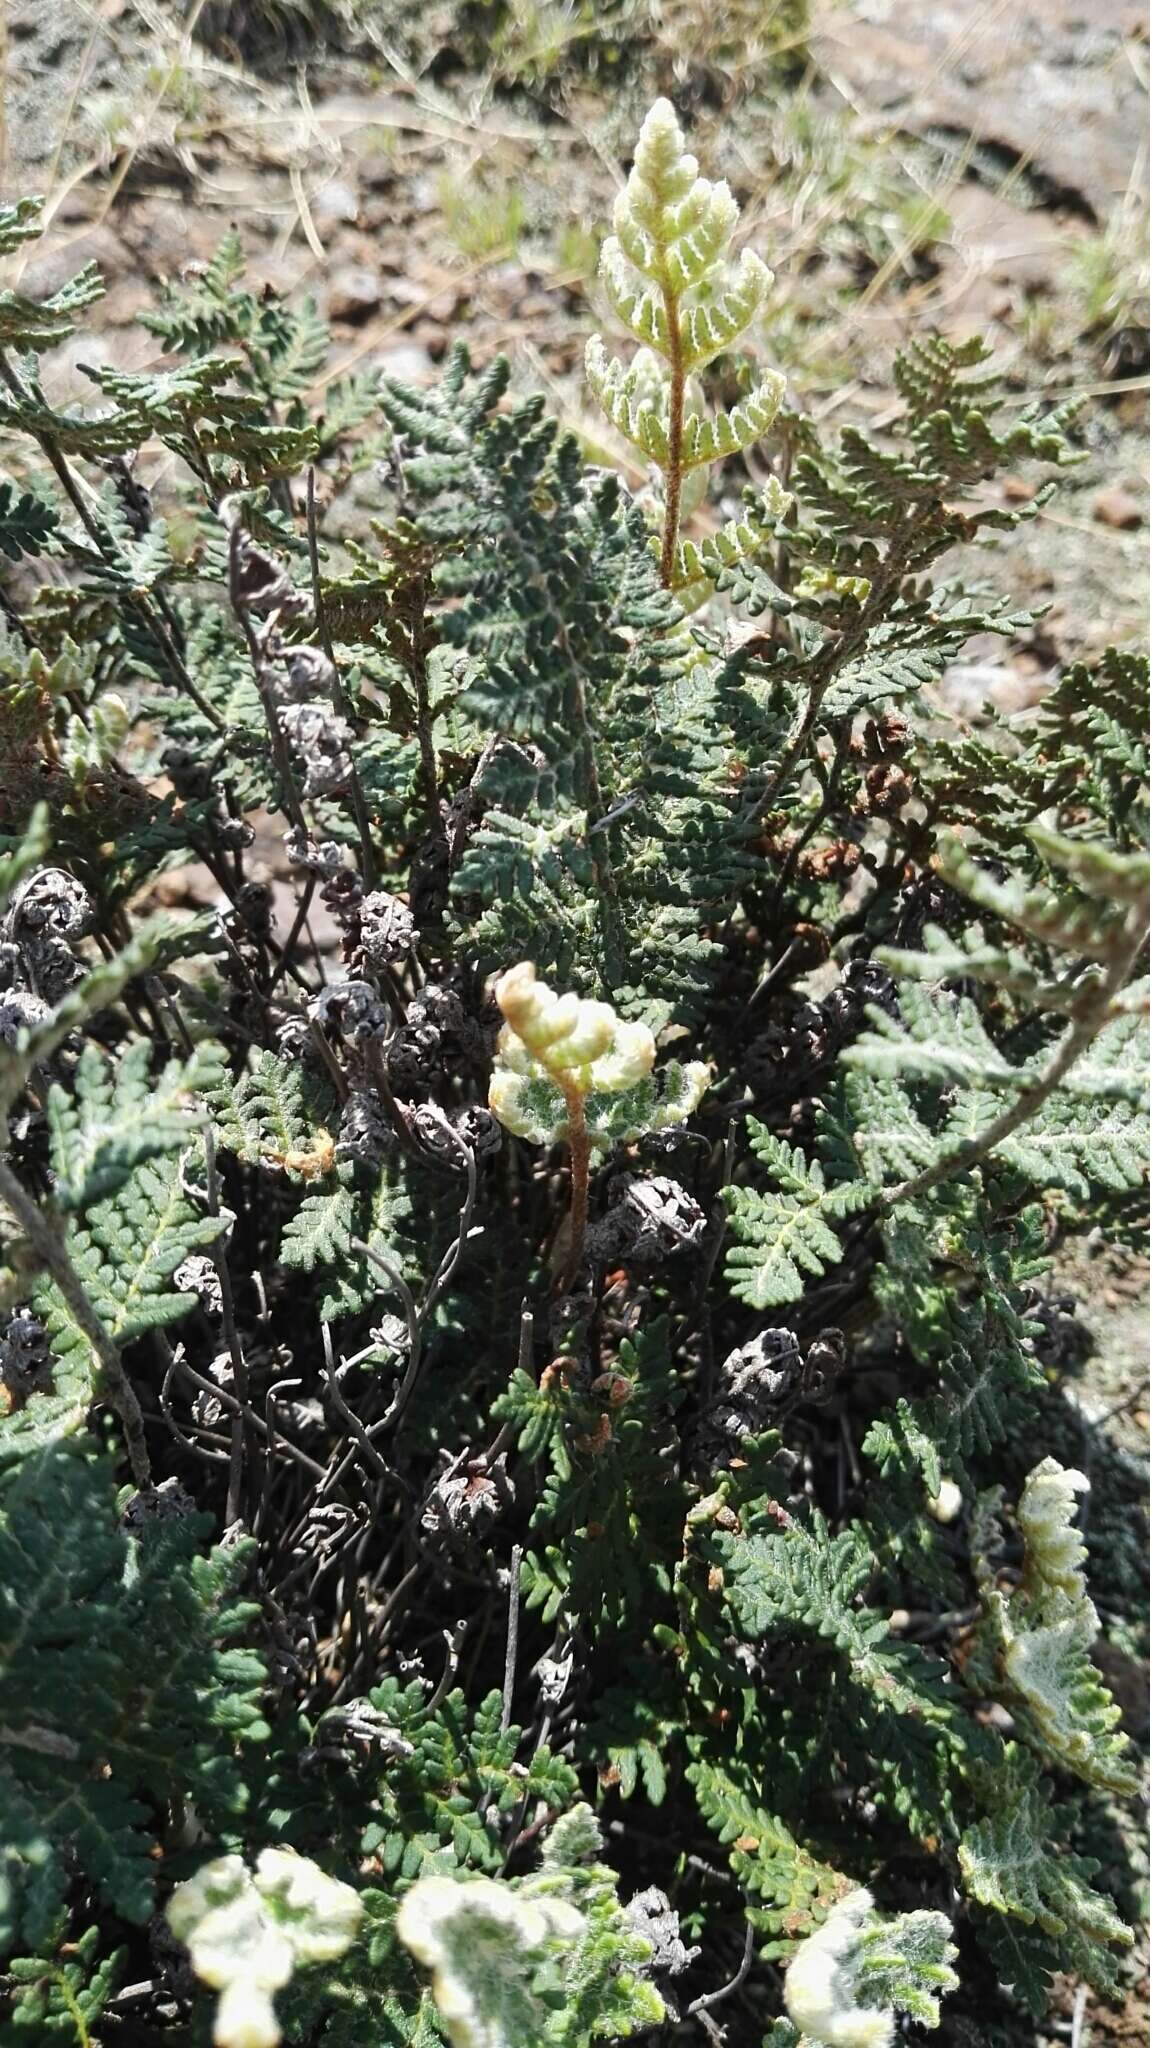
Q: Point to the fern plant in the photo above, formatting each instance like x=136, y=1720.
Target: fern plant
x=666, y=274
x=439, y=1592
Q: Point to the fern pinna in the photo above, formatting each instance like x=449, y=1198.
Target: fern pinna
x=537, y=1480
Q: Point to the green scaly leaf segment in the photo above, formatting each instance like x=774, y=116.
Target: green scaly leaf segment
x=782, y=1235
x=86, y=1769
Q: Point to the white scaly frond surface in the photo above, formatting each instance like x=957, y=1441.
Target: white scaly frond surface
x=669, y=276
x=728, y=433
x=633, y=412
x=849, y=1980
x=1042, y=1634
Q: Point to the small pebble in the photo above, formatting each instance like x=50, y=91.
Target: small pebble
x=353, y=295
x=1117, y=508
x=335, y=202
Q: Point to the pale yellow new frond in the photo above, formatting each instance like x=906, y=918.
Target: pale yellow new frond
x=667, y=272
x=728, y=433
x=639, y=306
x=633, y=410
x=734, y=542
x=708, y=327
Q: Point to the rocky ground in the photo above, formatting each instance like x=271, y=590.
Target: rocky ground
x=978, y=164
x=968, y=164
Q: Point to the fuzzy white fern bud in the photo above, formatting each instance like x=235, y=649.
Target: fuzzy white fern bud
x=481, y=1941
x=246, y=1932
x=1055, y=1551
x=670, y=223
x=848, y=1981
x=573, y=1038
x=946, y=1505
x=554, y=1048
x=820, y=1983
x=665, y=269
x=246, y=2015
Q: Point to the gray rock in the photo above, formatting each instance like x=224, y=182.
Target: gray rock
x=353, y=295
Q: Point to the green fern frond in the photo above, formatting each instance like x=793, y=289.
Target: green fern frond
x=783, y=1235
x=320, y=1237
x=62, y=1990
x=85, y=1768
x=38, y=324
x=791, y=1889
x=1011, y=1865
x=666, y=273
x=703, y=561
x=19, y=223
x=28, y=526
x=126, y=1250
x=24, y=855
x=114, y=1119
x=713, y=324
x=264, y=1115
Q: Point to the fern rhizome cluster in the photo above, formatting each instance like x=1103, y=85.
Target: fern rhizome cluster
x=533, y=1504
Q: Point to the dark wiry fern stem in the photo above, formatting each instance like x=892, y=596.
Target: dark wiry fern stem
x=53, y=1255
x=592, y=789
x=580, y=1144
x=830, y=659
x=219, y=1257
x=288, y=794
